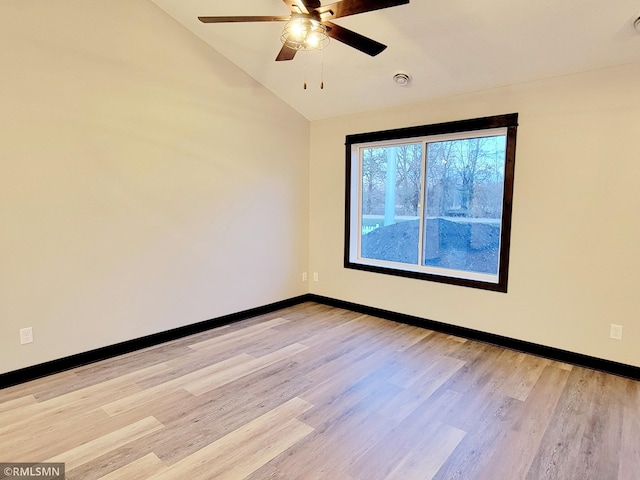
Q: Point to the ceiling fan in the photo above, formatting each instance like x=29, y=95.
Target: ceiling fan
x=309, y=25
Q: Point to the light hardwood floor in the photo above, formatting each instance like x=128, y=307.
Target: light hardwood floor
x=315, y=392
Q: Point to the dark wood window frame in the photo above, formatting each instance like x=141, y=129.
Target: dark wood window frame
x=508, y=122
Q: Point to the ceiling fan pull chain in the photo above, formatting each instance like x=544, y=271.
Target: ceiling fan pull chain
x=305, y=70
x=321, y=70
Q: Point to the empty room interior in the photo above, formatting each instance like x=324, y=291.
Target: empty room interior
x=208, y=237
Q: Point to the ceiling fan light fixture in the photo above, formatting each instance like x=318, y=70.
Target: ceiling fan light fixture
x=304, y=33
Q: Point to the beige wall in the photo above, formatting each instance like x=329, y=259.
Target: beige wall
x=575, y=267
x=146, y=182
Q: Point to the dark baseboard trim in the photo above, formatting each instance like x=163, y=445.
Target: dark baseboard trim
x=565, y=356
x=67, y=363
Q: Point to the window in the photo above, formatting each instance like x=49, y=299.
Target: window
x=433, y=202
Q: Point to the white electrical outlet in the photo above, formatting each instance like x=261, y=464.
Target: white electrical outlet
x=304, y=276
x=26, y=335
x=615, y=332
x=315, y=276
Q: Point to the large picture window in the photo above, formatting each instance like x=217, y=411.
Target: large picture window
x=433, y=202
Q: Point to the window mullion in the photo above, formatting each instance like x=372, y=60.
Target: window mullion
x=423, y=203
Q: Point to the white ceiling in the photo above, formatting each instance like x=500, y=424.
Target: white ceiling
x=448, y=47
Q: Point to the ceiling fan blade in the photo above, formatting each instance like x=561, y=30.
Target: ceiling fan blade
x=353, y=39
x=353, y=7
x=278, y=18
x=286, y=53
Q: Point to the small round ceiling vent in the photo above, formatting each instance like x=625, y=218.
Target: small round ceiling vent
x=402, y=79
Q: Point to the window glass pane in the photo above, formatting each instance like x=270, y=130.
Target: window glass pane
x=464, y=192
x=391, y=191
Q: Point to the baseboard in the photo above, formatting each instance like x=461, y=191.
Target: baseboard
x=595, y=363
x=67, y=363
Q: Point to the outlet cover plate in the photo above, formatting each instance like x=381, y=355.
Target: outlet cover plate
x=26, y=335
x=615, y=332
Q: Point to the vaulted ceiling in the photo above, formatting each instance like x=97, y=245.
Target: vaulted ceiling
x=447, y=48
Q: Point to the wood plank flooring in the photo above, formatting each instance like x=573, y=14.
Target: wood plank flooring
x=315, y=392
